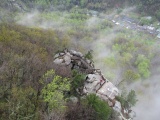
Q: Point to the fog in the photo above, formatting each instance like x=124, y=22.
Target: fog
x=35, y=19
x=147, y=91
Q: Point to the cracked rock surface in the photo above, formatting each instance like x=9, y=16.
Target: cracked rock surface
x=94, y=82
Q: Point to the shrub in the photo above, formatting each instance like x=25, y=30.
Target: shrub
x=129, y=100
x=103, y=111
x=77, y=81
x=158, y=14
x=145, y=21
x=89, y=55
x=80, y=112
x=53, y=93
x=143, y=65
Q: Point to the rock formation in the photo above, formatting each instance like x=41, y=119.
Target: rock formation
x=94, y=82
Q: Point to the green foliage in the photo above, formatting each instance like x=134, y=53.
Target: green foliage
x=123, y=101
x=83, y=2
x=21, y=104
x=119, y=11
x=145, y=21
x=110, y=62
x=51, y=15
x=158, y=14
x=125, y=58
x=149, y=7
x=126, y=49
x=149, y=2
x=53, y=93
x=89, y=55
x=131, y=76
x=129, y=100
x=124, y=52
x=42, y=2
x=106, y=23
x=103, y=111
x=143, y=65
x=77, y=81
x=7, y=35
x=119, y=45
x=25, y=54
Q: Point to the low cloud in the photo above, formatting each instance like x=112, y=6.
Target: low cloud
x=148, y=91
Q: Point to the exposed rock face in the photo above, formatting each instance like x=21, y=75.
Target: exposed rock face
x=94, y=82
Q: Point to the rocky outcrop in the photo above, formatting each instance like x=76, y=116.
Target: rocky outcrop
x=94, y=82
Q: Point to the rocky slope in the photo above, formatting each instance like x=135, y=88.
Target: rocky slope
x=94, y=82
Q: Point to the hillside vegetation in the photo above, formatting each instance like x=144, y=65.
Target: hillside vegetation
x=33, y=88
